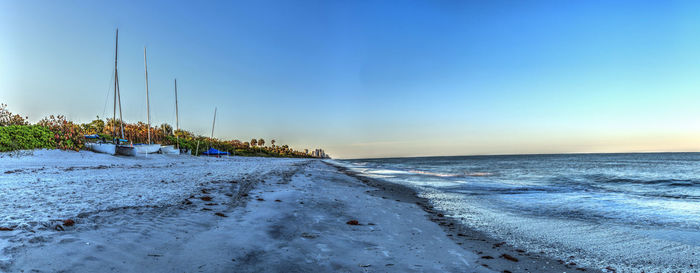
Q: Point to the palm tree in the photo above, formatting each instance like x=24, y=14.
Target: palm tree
x=273, y=142
x=167, y=129
x=253, y=142
x=261, y=142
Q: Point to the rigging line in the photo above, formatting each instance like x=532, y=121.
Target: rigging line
x=109, y=89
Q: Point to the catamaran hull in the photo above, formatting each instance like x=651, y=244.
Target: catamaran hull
x=146, y=148
x=169, y=150
x=126, y=150
x=105, y=148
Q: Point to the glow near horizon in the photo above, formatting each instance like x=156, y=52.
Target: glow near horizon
x=375, y=78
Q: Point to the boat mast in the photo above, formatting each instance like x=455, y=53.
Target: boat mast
x=114, y=113
x=177, y=118
x=212, y=124
x=117, y=94
x=148, y=107
x=119, y=98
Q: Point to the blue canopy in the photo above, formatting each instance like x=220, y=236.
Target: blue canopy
x=213, y=151
x=96, y=136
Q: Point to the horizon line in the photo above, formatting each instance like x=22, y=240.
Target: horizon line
x=523, y=154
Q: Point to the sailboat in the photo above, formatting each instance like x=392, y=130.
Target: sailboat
x=119, y=149
x=100, y=145
x=147, y=148
x=171, y=149
x=212, y=151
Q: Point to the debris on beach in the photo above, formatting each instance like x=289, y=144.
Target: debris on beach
x=277, y=200
x=353, y=223
x=68, y=222
x=508, y=257
x=6, y=229
x=206, y=198
x=220, y=214
x=309, y=235
x=260, y=199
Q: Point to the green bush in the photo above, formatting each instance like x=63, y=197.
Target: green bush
x=25, y=137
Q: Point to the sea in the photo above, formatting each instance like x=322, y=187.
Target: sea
x=630, y=212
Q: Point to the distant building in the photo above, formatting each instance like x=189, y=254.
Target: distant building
x=319, y=153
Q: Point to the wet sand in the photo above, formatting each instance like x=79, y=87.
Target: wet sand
x=493, y=254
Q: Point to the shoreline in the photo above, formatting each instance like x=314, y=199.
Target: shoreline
x=490, y=250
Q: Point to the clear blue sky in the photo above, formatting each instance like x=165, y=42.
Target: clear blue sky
x=373, y=78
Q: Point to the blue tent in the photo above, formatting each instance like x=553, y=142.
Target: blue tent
x=213, y=151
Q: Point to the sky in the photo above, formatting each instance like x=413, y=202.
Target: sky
x=371, y=78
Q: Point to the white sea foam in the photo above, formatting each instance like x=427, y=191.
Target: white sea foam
x=634, y=212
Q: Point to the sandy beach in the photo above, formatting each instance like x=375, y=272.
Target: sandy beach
x=86, y=212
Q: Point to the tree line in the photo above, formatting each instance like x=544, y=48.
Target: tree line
x=56, y=132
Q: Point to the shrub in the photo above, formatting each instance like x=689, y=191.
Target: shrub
x=25, y=137
x=67, y=135
x=7, y=118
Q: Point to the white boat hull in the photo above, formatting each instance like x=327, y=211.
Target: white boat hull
x=126, y=150
x=105, y=148
x=146, y=148
x=169, y=150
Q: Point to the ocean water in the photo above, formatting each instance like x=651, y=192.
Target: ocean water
x=632, y=212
